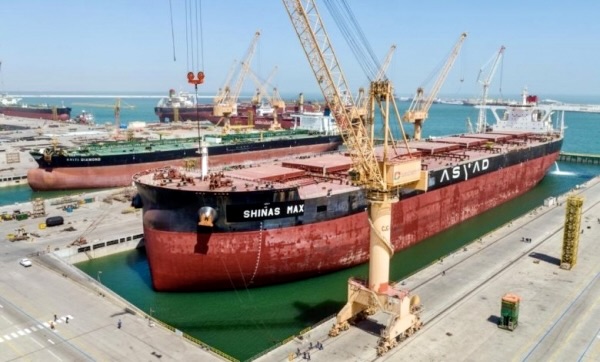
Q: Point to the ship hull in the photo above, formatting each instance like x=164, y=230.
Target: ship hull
x=66, y=174
x=205, y=113
x=181, y=259
x=62, y=113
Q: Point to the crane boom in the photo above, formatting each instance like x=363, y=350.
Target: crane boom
x=261, y=86
x=386, y=63
x=363, y=98
x=482, y=118
x=326, y=68
x=227, y=104
x=223, y=91
x=418, y=110
x=374, y=172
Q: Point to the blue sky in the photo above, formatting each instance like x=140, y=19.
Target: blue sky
x=552, y=47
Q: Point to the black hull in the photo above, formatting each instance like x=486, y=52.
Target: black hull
x=60, y=161
x=172, y=208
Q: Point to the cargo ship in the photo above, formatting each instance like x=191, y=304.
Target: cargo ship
x=300, y=217
x=113, y=163
x=182, y=106
x=11, y=106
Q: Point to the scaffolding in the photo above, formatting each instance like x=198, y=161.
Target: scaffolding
x=570, y=244
x=39, y=208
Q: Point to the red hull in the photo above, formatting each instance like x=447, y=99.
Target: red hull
x=63, y=178
x=255, y=258
x=24, y=113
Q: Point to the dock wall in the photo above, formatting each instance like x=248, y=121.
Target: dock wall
x=579, y=158
x=100, y=248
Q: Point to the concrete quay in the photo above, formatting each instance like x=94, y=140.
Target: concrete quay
x=31, y=297
x=461, y=294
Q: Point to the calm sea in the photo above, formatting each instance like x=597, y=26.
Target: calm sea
x=245, y=322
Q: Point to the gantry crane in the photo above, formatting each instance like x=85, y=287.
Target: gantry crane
x=418, y=110
x=378, y=172
x=485, y=83
x=225, y=103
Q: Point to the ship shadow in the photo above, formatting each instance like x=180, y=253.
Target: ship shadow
x=202, y=239
x=311, y=314
x=546, y=258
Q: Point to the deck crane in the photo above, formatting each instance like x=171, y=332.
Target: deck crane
x=379, y=173
x=418, y=110
x=485, y=83
x=225, y=103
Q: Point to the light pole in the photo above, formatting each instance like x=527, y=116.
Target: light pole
x=150, y=323
x=98, y=276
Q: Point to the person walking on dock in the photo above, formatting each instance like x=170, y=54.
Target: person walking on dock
x=119, y=324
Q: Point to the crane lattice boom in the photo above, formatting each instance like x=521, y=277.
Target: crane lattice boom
x=482, y=118
x=418, y=110
x=226, y=100
x=319, y=52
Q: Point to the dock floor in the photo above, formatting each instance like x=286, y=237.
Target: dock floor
x=32, y=297
x=559, y=318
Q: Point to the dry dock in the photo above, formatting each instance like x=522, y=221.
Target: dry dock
x=31, y=297
x=559, y=318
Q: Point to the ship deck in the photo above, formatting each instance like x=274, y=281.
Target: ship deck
x=327, y=173
x=178, y=137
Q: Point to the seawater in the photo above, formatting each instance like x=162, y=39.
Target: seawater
x=245, y=322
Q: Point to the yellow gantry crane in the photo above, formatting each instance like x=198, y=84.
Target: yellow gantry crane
x=418, y=110
x=378, y=171
x=225, y=102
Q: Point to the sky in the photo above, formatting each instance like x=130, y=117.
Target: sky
x=552, y=47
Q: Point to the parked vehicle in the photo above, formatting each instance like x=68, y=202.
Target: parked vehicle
x=25, y=262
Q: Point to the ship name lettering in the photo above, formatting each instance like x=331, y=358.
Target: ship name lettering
x=295, y=209
x=274, y=211
x=385, y=228
x=83, y=159
x=467, y=170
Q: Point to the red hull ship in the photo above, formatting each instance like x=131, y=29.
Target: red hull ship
x=10, y=106
x=301, y=217
x=112, y=163
x=182, y=106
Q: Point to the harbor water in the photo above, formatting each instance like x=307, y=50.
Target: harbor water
x=245, y=322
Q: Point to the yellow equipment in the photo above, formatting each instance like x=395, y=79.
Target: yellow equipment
x=382, y=174
x=225, y=102
x=418, y=110
x=571, y=233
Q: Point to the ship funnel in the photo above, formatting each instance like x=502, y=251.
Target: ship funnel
x=207, y=216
